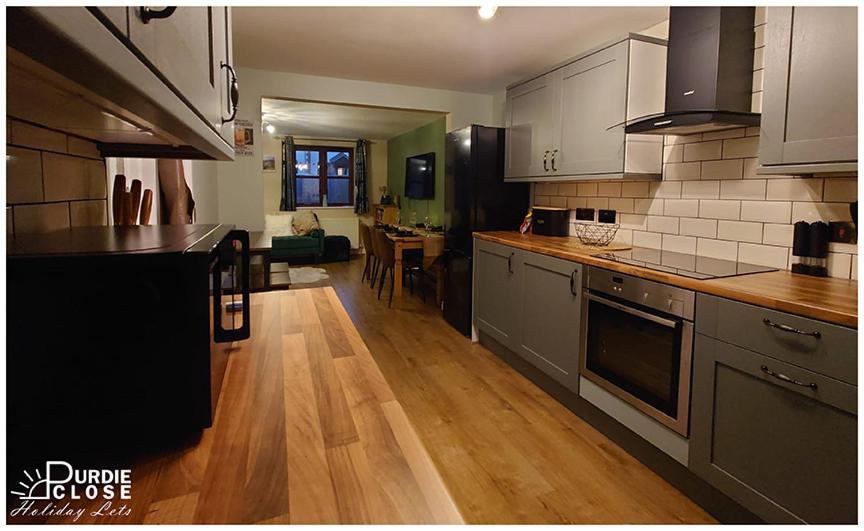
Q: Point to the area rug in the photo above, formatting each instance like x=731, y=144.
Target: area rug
x=307, y=275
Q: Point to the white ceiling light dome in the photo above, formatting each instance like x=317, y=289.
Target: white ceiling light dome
x=487, y=11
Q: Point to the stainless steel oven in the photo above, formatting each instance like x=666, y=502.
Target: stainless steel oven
x=637, y=343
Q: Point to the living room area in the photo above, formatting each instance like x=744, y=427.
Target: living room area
x=326, y=168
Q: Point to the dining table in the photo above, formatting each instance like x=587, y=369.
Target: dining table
x=432, y=245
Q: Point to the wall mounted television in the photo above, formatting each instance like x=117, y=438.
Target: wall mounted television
x=420, y=176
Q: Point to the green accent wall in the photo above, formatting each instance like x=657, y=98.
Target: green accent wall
x=429, y=137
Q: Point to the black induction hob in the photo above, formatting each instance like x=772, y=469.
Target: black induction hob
x=686, y=265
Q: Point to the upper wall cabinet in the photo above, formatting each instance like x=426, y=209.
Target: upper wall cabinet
x=139, y=81
x=568, y=124
x=810, y=98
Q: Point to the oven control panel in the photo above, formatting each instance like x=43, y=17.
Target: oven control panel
x=663, y=297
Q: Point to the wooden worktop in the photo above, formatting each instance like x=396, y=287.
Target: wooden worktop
x=828, y=299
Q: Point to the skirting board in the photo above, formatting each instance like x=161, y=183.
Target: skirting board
x=712, y=500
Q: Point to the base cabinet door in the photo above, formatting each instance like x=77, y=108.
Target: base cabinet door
x=496, y=279
x=550, y=302
x=777, y=438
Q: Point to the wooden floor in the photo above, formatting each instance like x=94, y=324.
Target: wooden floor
x=309, y=431
x=507, y=451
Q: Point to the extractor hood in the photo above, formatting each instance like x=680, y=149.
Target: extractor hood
x=709, y=72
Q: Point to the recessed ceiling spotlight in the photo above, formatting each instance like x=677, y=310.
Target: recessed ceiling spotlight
x=487, y=11
x=270, y=128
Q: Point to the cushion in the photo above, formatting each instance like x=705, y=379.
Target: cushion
x=304, y=222
x=279, y=224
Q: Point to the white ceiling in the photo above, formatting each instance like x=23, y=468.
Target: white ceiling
x=436, y=47
x=333, y=121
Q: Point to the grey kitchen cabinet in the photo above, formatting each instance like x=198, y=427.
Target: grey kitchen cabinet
x=496, y=281
x=531, y=304
x=779, y=439
x=153, y=90
x=530, y=127
x=568, y=124
x=810, y=95
x=550, y=291
x=181, y=48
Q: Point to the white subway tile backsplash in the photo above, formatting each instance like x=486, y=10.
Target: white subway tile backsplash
x=588, y=189
x=758, y=58
x=648, y=206
x=795, y=189
x=719, y=209
x=668, y=225
x=743, y=189
x=576, y=202
x=739, y=148
x=742, y=231
x=609, y=189
x=597, y=202
x=681, y=171
x=671, y=140
x=767, y=255
x=839, y=265
x=569, y=189
x=703, y=150
x=767, y=211
x=722, y=169
x=705, y=228
x=681, y=207
x=854, y=275
x=666, y=190
x=843, y=248
x=820, y=212
x=633, y=221
x=624, y=236
x=756, y=102
x=758, y=80
x=673, y=153
x=679, y=244
x=724, y=250
x=623, y=205
x=635, y=189
x=652, y=240
x=841, y=189
x=700, y=189
x=558, y=201
x=542, y=200
x=778, y=234
x=726, y=133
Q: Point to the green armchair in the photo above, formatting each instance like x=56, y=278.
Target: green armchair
x=286, y=247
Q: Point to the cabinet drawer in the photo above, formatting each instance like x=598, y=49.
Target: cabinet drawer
x=782, y=336
x=785, y=450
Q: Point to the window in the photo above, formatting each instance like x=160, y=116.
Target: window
x=324, y=176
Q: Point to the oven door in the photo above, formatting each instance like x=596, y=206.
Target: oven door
x=640, y=355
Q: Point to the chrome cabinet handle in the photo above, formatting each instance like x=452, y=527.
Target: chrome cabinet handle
x=573, y=276
x=235, y=93
x=554, y=152
x=147, y=14
x=787, y=328
x=545, y=156
x=510, y=263
x=784, y=378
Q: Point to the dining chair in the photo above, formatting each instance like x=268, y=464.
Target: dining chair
x=386, y=258
x=366, y=239
x=376, y=265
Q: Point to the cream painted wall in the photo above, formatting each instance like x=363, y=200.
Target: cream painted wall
x=241, y=189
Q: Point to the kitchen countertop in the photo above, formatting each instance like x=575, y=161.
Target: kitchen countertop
x=832, y=300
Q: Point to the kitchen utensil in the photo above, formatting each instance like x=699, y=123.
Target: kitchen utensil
x=135, y=190
x=117, y=198
x=146, y=206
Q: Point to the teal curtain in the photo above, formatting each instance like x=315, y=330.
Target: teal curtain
x=361, y=169
x=288, y=202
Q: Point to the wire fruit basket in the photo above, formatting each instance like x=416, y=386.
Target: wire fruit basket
x=599, y=234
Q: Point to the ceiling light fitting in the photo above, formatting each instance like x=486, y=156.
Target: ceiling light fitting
x=487, y=11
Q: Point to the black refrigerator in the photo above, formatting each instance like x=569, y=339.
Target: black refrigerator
x=476, y=198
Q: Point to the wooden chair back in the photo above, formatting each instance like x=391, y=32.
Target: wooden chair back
x=383, y=248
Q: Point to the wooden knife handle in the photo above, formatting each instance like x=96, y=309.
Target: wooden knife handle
x=117, y=199
x=146, y=206
x=135, y=190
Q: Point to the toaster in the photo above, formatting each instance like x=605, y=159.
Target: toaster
x=551, y=221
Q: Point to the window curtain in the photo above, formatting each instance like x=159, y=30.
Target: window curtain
x=361, y=168
x=288, y=203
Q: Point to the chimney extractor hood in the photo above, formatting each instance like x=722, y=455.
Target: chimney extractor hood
x=709, y=72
